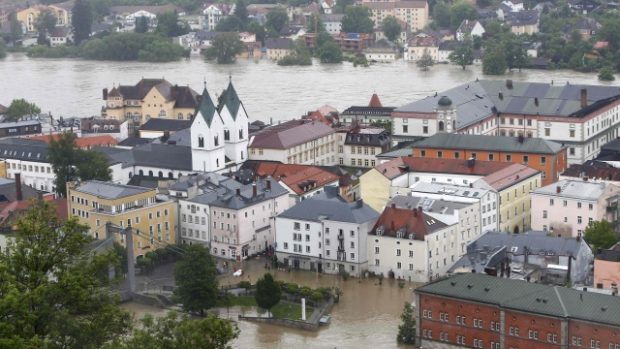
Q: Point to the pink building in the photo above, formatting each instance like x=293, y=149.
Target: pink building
x=607, y=268
x=568, y=206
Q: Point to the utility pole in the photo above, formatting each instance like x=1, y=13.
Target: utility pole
x=131, y=270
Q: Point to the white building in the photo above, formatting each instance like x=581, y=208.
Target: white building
x=295, y=142
x=469, y=29
x=409, y=244
x=332, y=23
x=130, y=19
x=359, y=146
x=213, y=15
x=569, y=206
x=29, y=158
x=325, y=233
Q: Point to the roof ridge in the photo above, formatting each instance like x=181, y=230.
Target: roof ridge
x=557, y=293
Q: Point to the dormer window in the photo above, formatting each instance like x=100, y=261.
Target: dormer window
x=380, y=230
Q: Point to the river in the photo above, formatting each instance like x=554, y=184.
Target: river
x=366, y=317
x=71, y=87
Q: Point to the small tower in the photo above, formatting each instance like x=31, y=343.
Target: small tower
x=207, y=136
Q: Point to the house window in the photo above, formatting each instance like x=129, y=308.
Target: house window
x=405, y=128
x=425, y=129
x=508, y=157
x=201, y=142
x=440, y=154
x=216, y=140
x=547, y=132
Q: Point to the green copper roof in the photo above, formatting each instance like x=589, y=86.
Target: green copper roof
x=206, y=107
x=231, y=100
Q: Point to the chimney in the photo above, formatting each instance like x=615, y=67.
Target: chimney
x=501, y=96
x=19, y=196
x=254, y=189
x=415, y=212
x=105, y=94
x=584, y=98
x=173, y=92
x=536, y=101
x=509, y=84
x=268, y=184
x=238, y=190
x=558, y=189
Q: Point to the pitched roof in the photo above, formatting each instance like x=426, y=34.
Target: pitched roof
x=289, y=134
x=225, y=195
x=490, y=143
x=279, y=44
x=326, y=206
x=368, y=136
x=575, y=189
x=184, y=96
x=300, y=178
x=109, y=190
x=520, y=295
x=405, y=164
x=157, y=124
x=466, y=26
x=410, y=224
x=509, y=176
x=151, y=155
x=374, y=101
x=80, y=142
x=593, y=170
x=231, y=100
x=23, y=149
x=206, y=108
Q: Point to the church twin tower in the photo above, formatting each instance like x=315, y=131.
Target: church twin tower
x=219, y=133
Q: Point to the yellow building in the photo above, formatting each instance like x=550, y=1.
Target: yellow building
x=414, y=13
x=96, y=203
x=28, y=17
x=375, y=187
x=514, y=185
x=150, y=98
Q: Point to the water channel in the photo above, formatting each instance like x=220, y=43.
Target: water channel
x=70, y=87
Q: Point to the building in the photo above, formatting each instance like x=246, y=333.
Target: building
x=583, y=6
x=445, y=49
x=29, y=159
x=477, y=310
x=295, y=142
x=156, y=128
x=325, y=233
x=579, y=116
x=523, y=22
x=149, y=98
x=235, y=220
x=610, y=153
x=354, y=42
x=534, y=256
x=374, y=113
x=278, y=48
x=469, y=29
x=546, y=156
x=60, y=36
x=593, y=171
x=358, y=146
x=420, y=45
x=152, y=220
x=409, y=244
x=20, y=128
x=412, y=12
x=607, y=268
x=213, y=14
x=568, y=206
x=85, y=143
x=381, y=51
x=28, y=17
x=94, y=126
x=397, y=176
x=332, y=23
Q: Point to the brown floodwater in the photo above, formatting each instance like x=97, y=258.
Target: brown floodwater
x=366, y=317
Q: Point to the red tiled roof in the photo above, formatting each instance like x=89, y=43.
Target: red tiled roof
x=82, y=142
x=297, y=177
x=10, y=211
x=375, y=102
x=413, y=221
x=289, y=134
x=509, y=176
x=404, y=164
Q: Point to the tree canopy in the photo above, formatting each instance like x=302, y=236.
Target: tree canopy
x=81, y=20
x=463, y=54
x=268, y=292
x=45, y=23
x=494, y=62
x=460, y=11
x=607, y=73
x=426, y=61
x=225, y=48
x=20, y=108
x=391, y=28
x=168, y=25
x=406, y=330
x=357, y=20
x=600, y=235
x=276, y=20
x=195, y=276
x=53, y=293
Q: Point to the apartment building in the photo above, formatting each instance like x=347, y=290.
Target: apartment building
x=582, y=117
x=152, y=220
x=326, y=234
x=295, y=142
x=414, y=13
x=374, y=112
x=359, y=146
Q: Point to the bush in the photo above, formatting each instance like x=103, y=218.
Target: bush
x=291, y=288
x=606, y=74
x=42, y=51
x=244, y=284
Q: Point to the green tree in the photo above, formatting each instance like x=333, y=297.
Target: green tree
x=463, y=54
x=92, y=165
x=20, y=108
x=2, y=49
x=45, y=23
x=276, y=19
x=142, y=25
x=258, y=30
x=268, y=292
x=357, y=20
x=425, y=62
x=241, y=12
x=225, y=48
x=494, y=62
x=52, y=293
x=391, y=28
x=315, y=25
x=300, y=56
x=515, y=52
x=441, y=14
x=81, y=20
x=229, y=24
x=168, y=25
x=600, y=235
x=607, y=73
x=195, y=276
x=342, y=5
x=15, y=28
x=406, y=330
x=179, y=331
x=460, y=11
x=329, y=52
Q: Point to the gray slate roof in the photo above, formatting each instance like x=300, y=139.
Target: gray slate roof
x=153, y=155
x=157, y=124
x=331, y=207
x=529, y=297
x=427, y=204
x=489, y=143
x=289, y=134
x=574, y=189
x=225, y=196
x=108, y=190
x=23, y=149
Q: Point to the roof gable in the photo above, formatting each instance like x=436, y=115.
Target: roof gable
x=206, y=108
x=231, y=100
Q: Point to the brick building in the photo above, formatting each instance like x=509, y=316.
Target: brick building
x=543, y=155
x=481, y=311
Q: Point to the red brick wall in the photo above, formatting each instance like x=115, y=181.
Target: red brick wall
x=588, y=331
x=525, y=322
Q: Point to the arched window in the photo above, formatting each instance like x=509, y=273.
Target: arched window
x=141, y=173
x=441, y=126
x=150, y=173
x=170, y=175
x=201, y=142
x=161, y=174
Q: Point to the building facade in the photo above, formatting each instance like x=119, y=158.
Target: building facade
x=412, y=12
x=358, y=146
